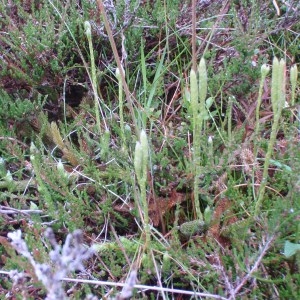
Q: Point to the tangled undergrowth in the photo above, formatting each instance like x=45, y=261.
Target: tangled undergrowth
x=167, y=132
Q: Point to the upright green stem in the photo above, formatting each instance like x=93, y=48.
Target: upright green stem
x=88, y=32
x=264, y=72
x=293, y=78
x=42, y=187
x=202, y=88
x=196, y=140
x=278, y=100
x=198, y=97
x=121, y=102
x=229, y=114
x=141, y=169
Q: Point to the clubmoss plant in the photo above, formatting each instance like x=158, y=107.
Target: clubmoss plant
x=278, y=91
x=198, y=87
x=264, y=72
x=64, y=146
x=293, y=79
x=198, y=97
x=3, y=170
x=88, y=32
x=105, y=137
x=35, y=158
x=141, y=168
x=81, y=177
x=196, y=142
x=229, y=114
x=121, y=113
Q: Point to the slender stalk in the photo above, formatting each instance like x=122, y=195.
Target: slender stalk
x=278, y=100
x=197, y=124
x=202, y=72
x=196, y=140
x=198, y=97
x=88, y=32
x=42, y=187
x=229, y=114
x=264, y=72
x=121, y=113
x=141, y=169
x=293, y=78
